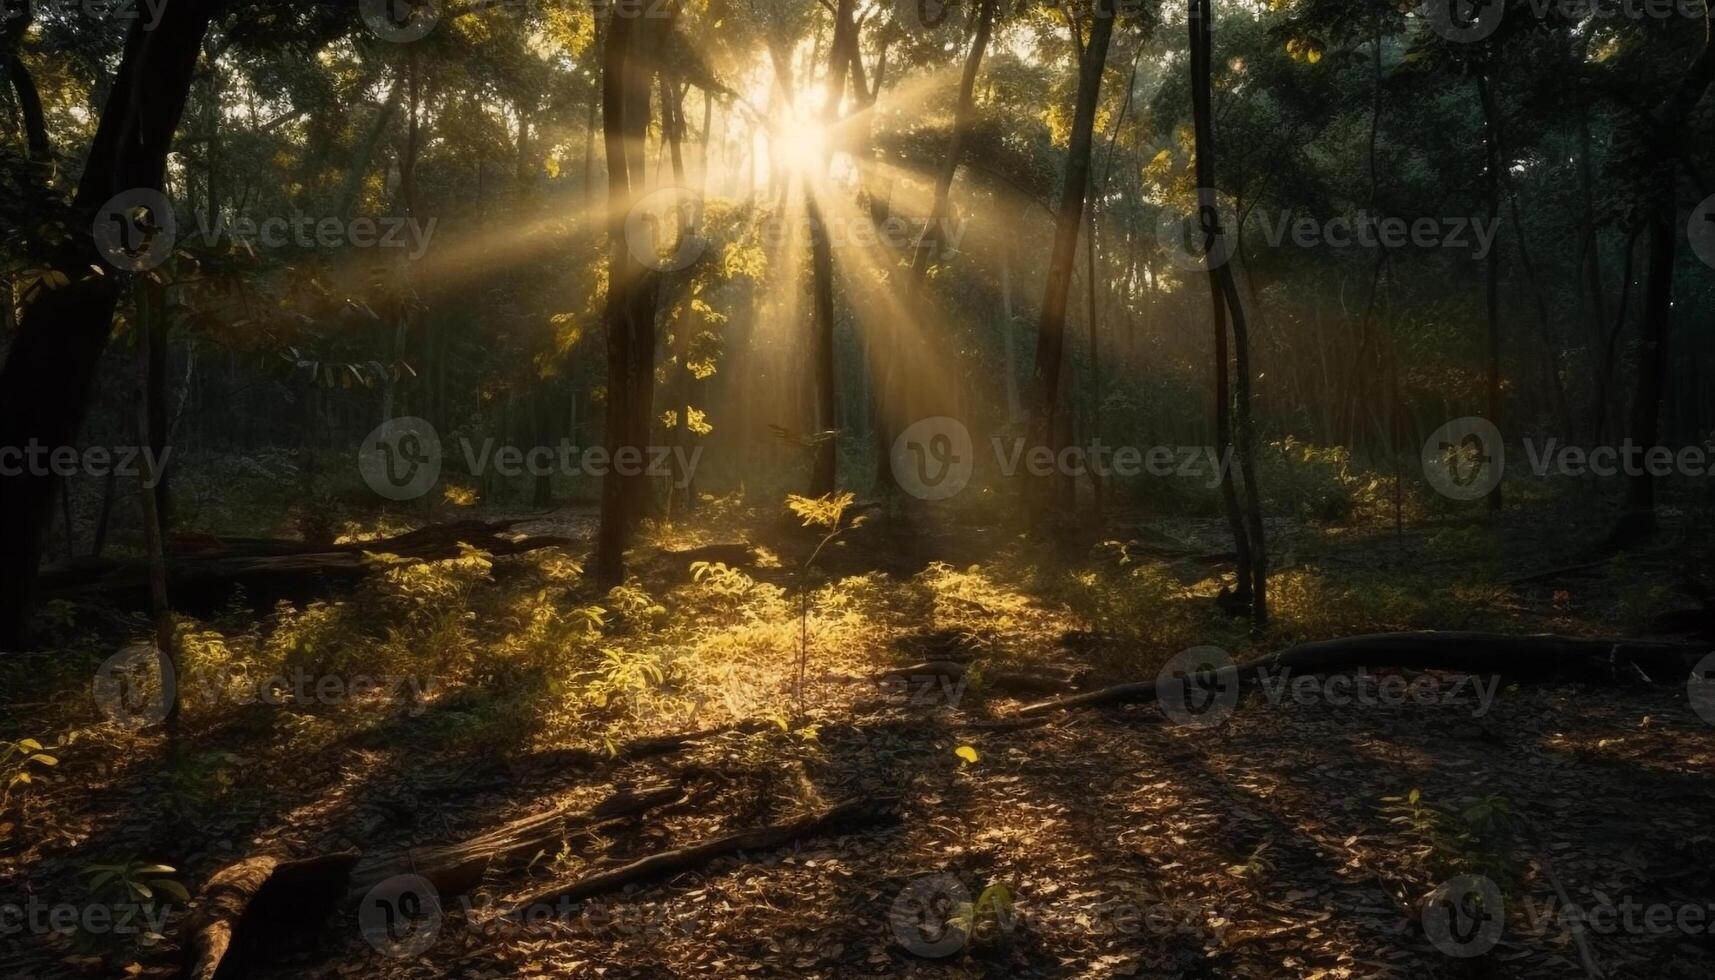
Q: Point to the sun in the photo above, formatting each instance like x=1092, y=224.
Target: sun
x=804, y=147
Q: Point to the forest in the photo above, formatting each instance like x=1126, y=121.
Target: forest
x=857, y=489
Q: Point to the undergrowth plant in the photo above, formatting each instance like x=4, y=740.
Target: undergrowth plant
x=1478, y=835
x=826, y=514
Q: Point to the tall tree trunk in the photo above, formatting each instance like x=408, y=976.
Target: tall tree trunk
x=1218, y=275
x=150, y=433
x=1068, y=220
x=1664, y=130
x=1091, y=319
x=628, y=64
x=45, y=383
x=825, y=459
x=1009, y=343
x=1492, y=293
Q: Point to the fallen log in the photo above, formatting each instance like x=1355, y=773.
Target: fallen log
x=841, y=815
x=248, y=909
x=205, y=572
x=457, y=868
x=1531, y=657
x=992, y=678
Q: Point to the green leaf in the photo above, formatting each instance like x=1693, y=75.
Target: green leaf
x=173, y=888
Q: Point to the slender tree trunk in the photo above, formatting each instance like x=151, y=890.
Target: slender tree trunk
x=1090, y=322
x=1009, y=343
x=154, y=538
x=1068, y=220
x=628, y=64
x=1664, y=128
x=825, y=452
x=1637, y=521
x=1599, y=421
x=1223, y=296
x=1492, y=294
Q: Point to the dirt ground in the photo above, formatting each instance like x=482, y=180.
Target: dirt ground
x=1301, y=836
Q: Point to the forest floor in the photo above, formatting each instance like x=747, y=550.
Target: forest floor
x=1298, y=838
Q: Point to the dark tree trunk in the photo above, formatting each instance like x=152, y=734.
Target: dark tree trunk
x=1051, y=334
x=53, y=359
x=1224, y=297
x=628, y=64
x=1664, y=128
x=1492, y=292
x=825, y=461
